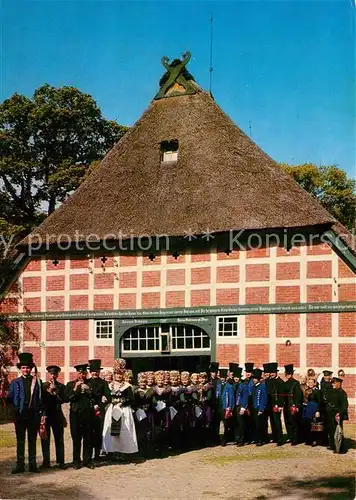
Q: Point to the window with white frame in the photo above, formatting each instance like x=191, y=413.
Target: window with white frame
x=142, y=338
x=104, y=329
x=169, y=151
x=228, y=326
x=187, y=337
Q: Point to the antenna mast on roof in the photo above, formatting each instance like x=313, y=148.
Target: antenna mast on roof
x=211, y=54
x=250, y=128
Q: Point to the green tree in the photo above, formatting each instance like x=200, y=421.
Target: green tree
x=46, y=144
x=330, y=186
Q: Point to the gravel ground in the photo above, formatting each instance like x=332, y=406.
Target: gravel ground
x=228, y=473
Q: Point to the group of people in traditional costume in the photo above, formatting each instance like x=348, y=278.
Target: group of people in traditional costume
x=112, y=416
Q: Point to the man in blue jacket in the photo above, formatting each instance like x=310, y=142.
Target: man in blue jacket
x=259, y=405
x=227, y=407
x=25, y=395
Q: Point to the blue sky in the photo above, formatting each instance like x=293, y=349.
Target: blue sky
x=288, y=67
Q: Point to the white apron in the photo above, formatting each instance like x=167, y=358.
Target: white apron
x=127, y=441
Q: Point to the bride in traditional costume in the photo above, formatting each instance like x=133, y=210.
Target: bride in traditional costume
x=119, y=433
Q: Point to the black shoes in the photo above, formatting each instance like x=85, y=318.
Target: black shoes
x=77, y=466
x=89, y=465
x=18, y=470
x=45, y=466
x=34, y=468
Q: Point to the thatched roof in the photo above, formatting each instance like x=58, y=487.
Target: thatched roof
x=221, y=181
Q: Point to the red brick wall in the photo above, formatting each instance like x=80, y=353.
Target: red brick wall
x=79, y=282
x=257, y=295
x=79, y=329
x=105, y=353
x=319, y=325
x=227, y=296
x=103, y=302
x=104, y=280
x=347, y=355
x=55, y=330
x=78, y=302
x=288, y=271
x=319, y=269
x=55, y=356
x=288, y=354
x=128, y=280
x=151, y=300
x=319, y=355
x=287, y=294
x=226, y=353
x=257, y=325
x=287, y=325
x=200, y=275
x=151, y=278
x=32, y=284
x=175, y=299
x=347, y=292
x=257, y=272
x=199, y=298
x=258, y=353
x=78, y=355
x=347, y=324
x=227, y=274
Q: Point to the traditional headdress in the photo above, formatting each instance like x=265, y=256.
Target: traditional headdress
x=128, y=373
x=174, y=373
x=119, y=365
x=159, y=373
x=141, y=376
x=185, y=374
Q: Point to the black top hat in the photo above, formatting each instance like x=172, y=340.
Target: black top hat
x=248, y=367
x=25, y=359
x=237, y=372
x=214, y=366
x=223, y=372
x=266, y=367
x=233, y=367
x=289, y=369
x=53, y=369
x=82, y=368
x=257, y=373
x=95, y=365
x=327, y=372
x=273, y=367
x=337, y=379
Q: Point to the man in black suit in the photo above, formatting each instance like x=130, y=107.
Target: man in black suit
x=101, y=394
x=81, y=416
x=53, y=398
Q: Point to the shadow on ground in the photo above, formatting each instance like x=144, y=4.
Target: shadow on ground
x=323, y=488
x=12, y=489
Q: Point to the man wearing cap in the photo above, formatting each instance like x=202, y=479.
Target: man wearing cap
x=337, y=410
x=275, y=387
x=217, y=388
x=81, y=416
x=25, y=395
x=325, y=390
x=292, y=404
x=102, y=397
x=53, y=398
x=259, y=406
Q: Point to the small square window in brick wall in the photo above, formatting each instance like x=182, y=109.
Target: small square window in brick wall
x=79, y=329
x=32, y=331
x=200, y=257
x=257, y=353
x=282, y=252
x=151, y=300
x=106, y=354
x=128, y=260
x=127, y=301
x=54, y=283
x=319, y=355
x=200, y=275
x=234, y=254
x=347, y=355
x=319, y=269
x=151, y=278
x=33, y=265
x=227, y=274
x=79, y=263
x=319, y=249
x=257, y=295
x=345, y=271
x=347, y=324
x=11, y=304
x=287, y=294
x=175, y=299
x=227, y=296
x=257, y=272
x=55, y=267
x=288, y=271
x=175, y=277
x=78, y=302
x=319, y=325
x=128, y=280
x=319, y=293
x=254, y=253
x=227, y=353
x=31, y=284
x=102, y=302
x=31, y=304
x=105, y=280
x=55, y=303
x=200, y=298
x=78, y=354
x=287, y=355
x=55, y=356
x=55, y=330
x=347, y=292
x=79, y=282
x=257, y=325
x=287, y=325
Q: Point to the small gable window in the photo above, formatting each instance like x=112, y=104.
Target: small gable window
x=169, y=151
